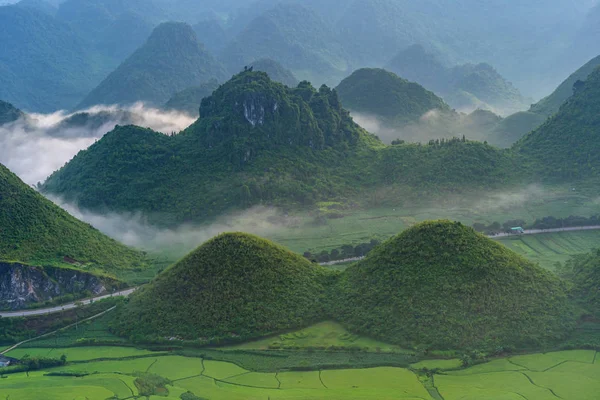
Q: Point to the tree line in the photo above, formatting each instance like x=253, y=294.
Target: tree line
x=343, y=253
x=541, y=223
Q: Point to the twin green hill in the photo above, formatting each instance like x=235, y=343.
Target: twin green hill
x=439, y=284
x=234, y=287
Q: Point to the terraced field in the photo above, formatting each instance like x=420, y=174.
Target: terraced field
x=550, y=248
x=568, y=375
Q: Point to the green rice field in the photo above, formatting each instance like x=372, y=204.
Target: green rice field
x=547, y=249
x=569, y=375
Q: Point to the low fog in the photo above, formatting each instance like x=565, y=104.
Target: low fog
x=134, y=229
x=35, y=146
x=432, y=125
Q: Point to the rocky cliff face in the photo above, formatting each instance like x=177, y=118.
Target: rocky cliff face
x=22, y=285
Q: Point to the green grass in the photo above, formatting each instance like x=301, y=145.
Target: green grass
x=572, y=375
x=437, y=364
x=80, y=353
x=566, y=375
x=322, y=335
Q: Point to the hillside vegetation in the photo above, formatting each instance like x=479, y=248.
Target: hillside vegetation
x=443, y=285
x=171, y=60
x=584, y=271
x=383, y=94
x=551, y=104
x=276, y=71
x=234, y=287
x=35, y=231
x=259, y=142
x=566, y=146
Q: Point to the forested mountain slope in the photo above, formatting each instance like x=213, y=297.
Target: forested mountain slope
x=34, y=230
x=566, y=147
x=259, y=142
x=171, y=60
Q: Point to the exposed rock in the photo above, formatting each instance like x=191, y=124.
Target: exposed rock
x=22, y=285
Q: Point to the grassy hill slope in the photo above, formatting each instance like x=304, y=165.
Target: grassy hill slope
x=234, y=287
x=443, y=285
x=381, y=93
x=171, y=60
x=35, y=231
x=259, y=142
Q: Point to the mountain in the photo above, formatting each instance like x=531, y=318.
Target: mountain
x=35, y=231
x=275, y=71
x=550, y=105
x=380, y=93
x=442, y=285
x=465, y=87
x=171, y=60
x=9, y=113
x=260, y=142
x=566, y=147
x=44, y=65
x=189, y=100
x=110, y=40
x=512, y=128
x=295, y=37
x=232, y=288
x=212, y=33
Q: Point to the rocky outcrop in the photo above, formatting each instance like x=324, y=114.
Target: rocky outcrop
x=23, y=285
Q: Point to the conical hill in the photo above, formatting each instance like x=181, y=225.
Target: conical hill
x=234, y=287
x=443, y=285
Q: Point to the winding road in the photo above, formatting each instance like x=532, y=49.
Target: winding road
x=64, y=307
x=69, y=306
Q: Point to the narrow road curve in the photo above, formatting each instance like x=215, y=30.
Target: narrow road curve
x=64, y=307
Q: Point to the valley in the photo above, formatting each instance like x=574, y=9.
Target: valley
x=273, y=199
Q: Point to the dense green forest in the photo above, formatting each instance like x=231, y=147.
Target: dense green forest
x=444, y=285
x=565, y=148
x=171, y=60
x=33, y=230
x=383, y=94
x=259, y=142
x=232, y=288
x=584, y=272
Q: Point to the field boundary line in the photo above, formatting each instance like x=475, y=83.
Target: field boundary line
x=56, y=331
x=321, y=379
x=151, y=365
x=594, y=360
x=518, y=365
x=277, y=379
x=541, y=387
x=130, y=389
x=519, y=394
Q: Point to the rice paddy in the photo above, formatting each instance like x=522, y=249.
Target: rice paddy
x=567, y=375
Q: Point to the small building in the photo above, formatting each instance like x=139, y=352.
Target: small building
x=517, y=230
x=5, y=362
